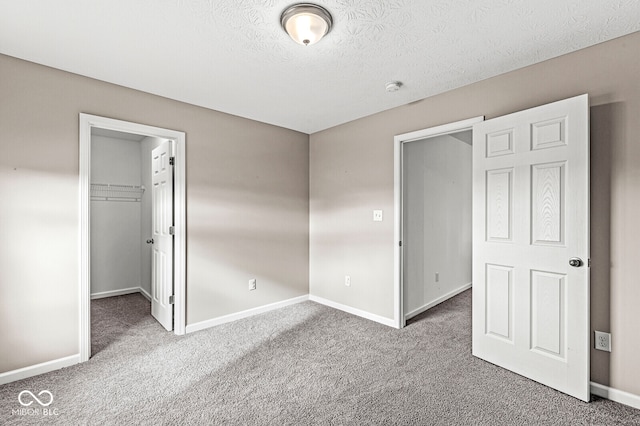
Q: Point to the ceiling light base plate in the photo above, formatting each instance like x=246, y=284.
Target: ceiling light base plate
x=393, y=86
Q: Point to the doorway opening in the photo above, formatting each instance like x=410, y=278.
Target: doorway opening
x=120, y=214
x=119, y=162
x=530, y=234
x=433, y=180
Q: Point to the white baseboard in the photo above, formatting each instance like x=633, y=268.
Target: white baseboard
x=121, y=292
x=112, y=293
x=354, y=311
x=616, y=395
x=144, y=293
x=436, y=301
x=34, y=370
x=244, y=314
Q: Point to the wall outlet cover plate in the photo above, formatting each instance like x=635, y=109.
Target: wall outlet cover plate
x=602, y=341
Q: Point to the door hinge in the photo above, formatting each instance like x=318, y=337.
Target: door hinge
x=589, y=263
x=400, y=243
x=172, y=161
x=172, y=299
x=172, y=230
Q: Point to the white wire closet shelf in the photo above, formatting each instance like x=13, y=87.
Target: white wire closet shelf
x=114, y=192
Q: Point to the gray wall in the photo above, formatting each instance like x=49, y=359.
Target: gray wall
x=115, y=225
x=436, y=225
x=247, y=206
x=351, y=173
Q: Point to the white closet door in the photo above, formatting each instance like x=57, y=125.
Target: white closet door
x=162, y=259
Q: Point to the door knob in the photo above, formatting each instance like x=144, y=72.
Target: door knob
x=150, y=241
x=576, y=262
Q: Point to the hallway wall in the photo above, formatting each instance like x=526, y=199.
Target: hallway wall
x=436, y=220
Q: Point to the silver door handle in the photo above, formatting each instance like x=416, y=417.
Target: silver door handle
x=576, y=262
x=150, y=241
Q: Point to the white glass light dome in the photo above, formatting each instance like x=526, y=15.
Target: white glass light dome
x=306, y=23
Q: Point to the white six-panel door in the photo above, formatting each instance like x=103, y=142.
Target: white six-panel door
x=530, y=217
x=162, y=259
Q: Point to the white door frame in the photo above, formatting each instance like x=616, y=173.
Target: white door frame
x=458, y=126
x=87, y=122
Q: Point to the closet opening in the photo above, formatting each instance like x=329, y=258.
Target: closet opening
x=121, y=231
x=132, y=225
x=120, y=214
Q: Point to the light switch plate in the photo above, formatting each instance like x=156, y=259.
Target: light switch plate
x=377, y=215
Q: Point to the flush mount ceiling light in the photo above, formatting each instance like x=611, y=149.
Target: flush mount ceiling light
x=306, y=23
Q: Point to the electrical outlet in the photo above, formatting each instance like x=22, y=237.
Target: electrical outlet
x=377, y=215
x=603, y=341
x=347, y=280
x=252, y=284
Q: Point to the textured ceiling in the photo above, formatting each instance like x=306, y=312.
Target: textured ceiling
x=232, y=55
